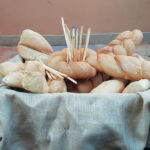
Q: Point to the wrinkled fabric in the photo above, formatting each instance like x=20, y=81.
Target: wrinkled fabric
x=70, y=121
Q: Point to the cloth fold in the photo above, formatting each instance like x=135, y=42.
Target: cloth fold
x=73, y=121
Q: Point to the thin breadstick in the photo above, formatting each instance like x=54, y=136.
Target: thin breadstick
x=51, y=70
x=73, y=37
x=53, y=76
x=49, y=76
x=67, y=40
x=72, y=80
x=80, y=41
x=70, y=41
x=77, y=38
x=86, y=43
x=57, y=73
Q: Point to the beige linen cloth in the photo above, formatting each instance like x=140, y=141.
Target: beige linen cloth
x=69, y=121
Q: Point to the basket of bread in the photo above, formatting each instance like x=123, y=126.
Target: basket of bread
x=75, y=98
x=114, y=68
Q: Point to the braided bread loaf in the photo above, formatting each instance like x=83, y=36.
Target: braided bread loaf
x=74, y=69
x=119, y=66
x=126, y=67
x=124, y=44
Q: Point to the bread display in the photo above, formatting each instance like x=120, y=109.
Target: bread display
x=78, y=69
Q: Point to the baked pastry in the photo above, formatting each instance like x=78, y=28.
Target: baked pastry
x=7, y=67
x=110, y=86
x=124, y=44
x=137, y=86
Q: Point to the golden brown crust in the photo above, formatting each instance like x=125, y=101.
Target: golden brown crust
x=74, y=69
x=124, y=44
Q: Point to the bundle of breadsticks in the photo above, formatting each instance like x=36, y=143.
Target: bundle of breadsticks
x=112, y=69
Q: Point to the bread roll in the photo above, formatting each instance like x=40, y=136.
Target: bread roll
x=137, y=86
x=124, y=44
x=74, y=69
x=56, y=86
x=35, y=41
x=84, y=86
x=31, y=54
x=97, y=80
x=34, y=66
x=110, y=86
x=14, y=79
x=8, y=67
x=35, y=82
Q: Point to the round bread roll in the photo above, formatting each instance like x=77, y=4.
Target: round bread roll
x=84, y=86
x=35, y=82
x=56, y=86
x=14, y=79
x=137, y=86
x=34, y=66
x=8, y=67
x=28, y=53
x=110, y=86
x=35, y=41
x=97, y=80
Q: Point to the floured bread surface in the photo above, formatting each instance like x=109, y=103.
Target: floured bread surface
x=137, y=86
x=57, y=86
x=110, y=86
x=34, y=66
x=8, y=67
x=31, y=54
x=14, y=79
x=34, y=40
x=35, y=82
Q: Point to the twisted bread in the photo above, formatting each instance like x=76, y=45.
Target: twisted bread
x=124, y=44
x=126, y=67
x=119, y=66
x=75, y=69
